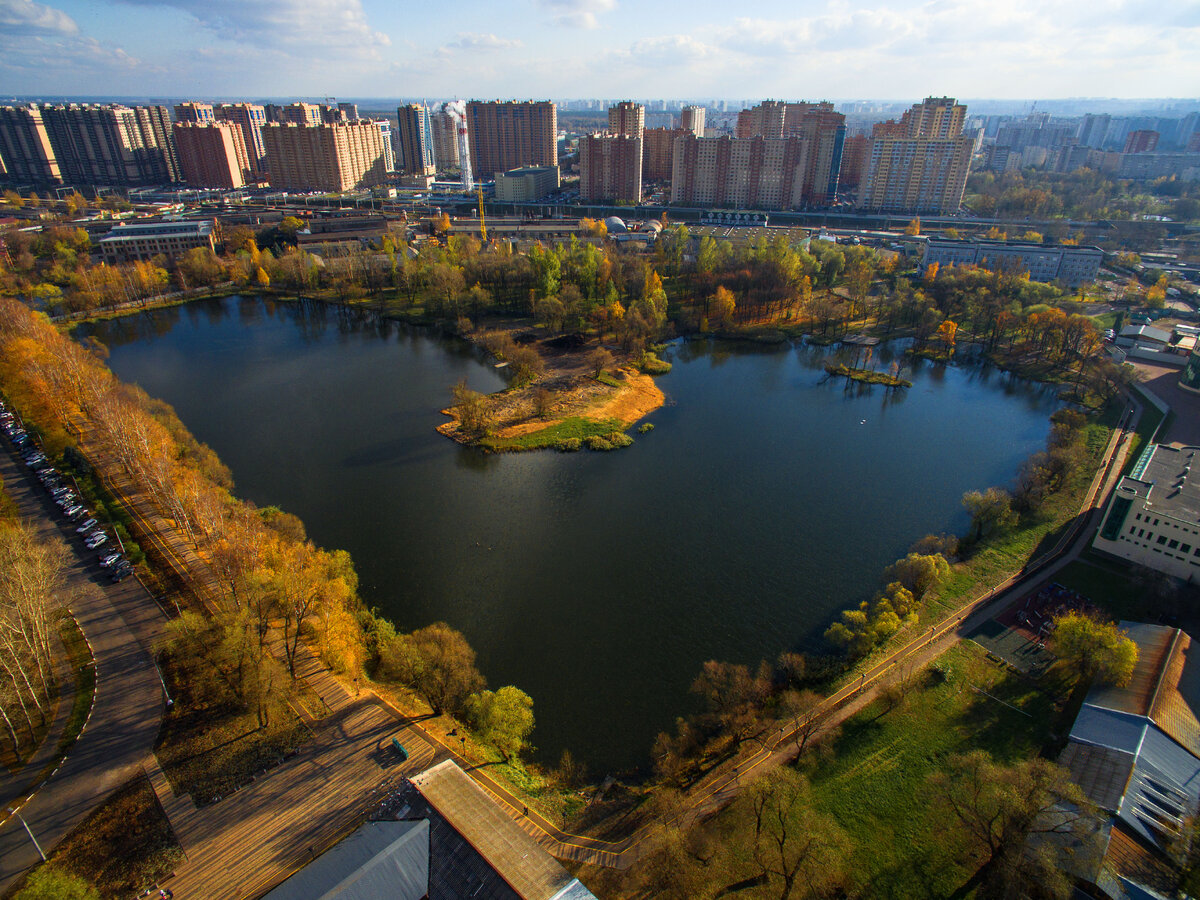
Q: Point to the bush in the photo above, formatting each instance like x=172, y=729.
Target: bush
x=618, y=439
x=598, y=443
x=650, y=364
x=646, y=428
x=568, y=445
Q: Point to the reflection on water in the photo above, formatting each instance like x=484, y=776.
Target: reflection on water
x=767, y=498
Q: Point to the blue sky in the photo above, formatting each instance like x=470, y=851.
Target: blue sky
x=834, y=49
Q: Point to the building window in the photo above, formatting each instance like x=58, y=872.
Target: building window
x=1172, y=545
x=1162, y=539
x=1141, y=532
x=1185, y=548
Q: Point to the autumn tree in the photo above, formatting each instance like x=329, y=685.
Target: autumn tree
x=990, y=510
x=445, y=673
x=1096, y=649
x=474, y=410
x=1025, y=823
x=918, y=572
x=797, y=712
x=723, y=305
x=600, y=360
x=913, y=228
x=504, y=719
x=798, y=851
x=732, y=698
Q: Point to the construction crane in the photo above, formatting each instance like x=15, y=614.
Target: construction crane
x=482, y=223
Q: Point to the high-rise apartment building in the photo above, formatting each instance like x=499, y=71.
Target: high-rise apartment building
x=658, y=152
x=445, y=139
x=349, y=111
x=817, y=123
x=250, y=118
x=855, y=154
x=415, y=134
x=112, y=144
x=25, y=146
x=921, y=163
x=743, y=173
x=193, y=111
x=212, y=154
x=1094, y=129
x=508, y=135
x=1141, y=141
x=299, y=113
x=339, y=157
x=610, y=167
x=691, y=118
x=627, y=118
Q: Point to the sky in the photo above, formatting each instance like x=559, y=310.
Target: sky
x=560, y=49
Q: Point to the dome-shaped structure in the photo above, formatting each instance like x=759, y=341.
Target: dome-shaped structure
x=615, y=225
x=653, y=225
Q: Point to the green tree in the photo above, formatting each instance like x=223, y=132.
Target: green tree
x=1025, y=823
x=1094, y=648
x=990, y=510
x=49, y=883
x=918, y=572
x=504, y=719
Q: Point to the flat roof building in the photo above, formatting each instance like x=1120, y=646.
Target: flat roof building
x=1070, y=265
x=526, y=184
x=339, y=157
x=691, y=118
x=627, y=118
x=415, y=139
x=1153, y=517
x=747, y=173
x=132, y=241
x=507, y=135
x=25, y=146
x=112, y=144
x=212, y=154
x=251, y=118
x=610, y=168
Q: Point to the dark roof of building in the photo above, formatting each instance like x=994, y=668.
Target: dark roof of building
x=531, y=872
x=1154, y=644
x=380, y=859
x=1162, y=476
x=1101, y=772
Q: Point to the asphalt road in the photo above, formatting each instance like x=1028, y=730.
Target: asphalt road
x=119, y=622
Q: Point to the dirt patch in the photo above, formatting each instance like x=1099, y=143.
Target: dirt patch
x=637, y=397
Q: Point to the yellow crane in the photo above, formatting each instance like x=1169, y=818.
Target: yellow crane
x=482, y=223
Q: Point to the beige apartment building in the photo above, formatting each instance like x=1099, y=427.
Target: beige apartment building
x=192, y=111
x=112, y=144
x=741, y=173
x=610, y=168
x=508, y=135
x=445, y=139
x=921, y=163
x=250, y=118
x=25, y=146
x=691, y=118
x=212, y=154
x=338, y=157
x=627, y=118
x=818, y=124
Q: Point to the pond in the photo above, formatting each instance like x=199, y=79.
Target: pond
x=767, y=498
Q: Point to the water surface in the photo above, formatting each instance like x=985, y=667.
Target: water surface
x=766, y=499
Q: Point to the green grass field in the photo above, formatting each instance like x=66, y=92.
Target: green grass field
x=575, y=427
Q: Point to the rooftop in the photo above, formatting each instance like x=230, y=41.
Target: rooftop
x=134, y=230
x=1162, y=477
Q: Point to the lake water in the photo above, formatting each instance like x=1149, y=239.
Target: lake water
x=766, y=500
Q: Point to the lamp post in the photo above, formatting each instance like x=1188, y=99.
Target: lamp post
x=36, y=845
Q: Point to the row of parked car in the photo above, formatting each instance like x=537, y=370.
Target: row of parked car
x=94, y=537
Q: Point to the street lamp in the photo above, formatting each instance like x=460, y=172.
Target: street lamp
x=13, y=810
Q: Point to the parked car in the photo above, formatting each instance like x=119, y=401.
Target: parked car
x=120, y=575
x=86, y=525
x=77, y=512
x=95, y=539
x=109, y=558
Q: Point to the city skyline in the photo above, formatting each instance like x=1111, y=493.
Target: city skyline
x=372, y=48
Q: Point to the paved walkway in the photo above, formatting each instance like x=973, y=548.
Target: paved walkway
x=116, y=620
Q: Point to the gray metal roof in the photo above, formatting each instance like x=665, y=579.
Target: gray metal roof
x=131, y=231
x=380, y=861
x=1146, y=332
x=1162, y=477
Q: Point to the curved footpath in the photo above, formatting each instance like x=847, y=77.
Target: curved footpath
x=119, y=622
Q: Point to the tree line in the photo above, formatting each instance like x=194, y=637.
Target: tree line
x=274, y=588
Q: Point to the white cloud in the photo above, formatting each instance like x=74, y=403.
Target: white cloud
x=468, y=40
x=27, y=17
x=578, y=13
x=334, y=25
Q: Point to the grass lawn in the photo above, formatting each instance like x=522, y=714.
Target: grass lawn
x=125, y=846
x=875, y=781
x=578, y=427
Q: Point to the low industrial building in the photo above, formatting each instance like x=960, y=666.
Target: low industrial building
x=132, y=241
x=448, y=840
x=526, y=184
x=1153, y=518
x=1135, y=753
x=1070, y=265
